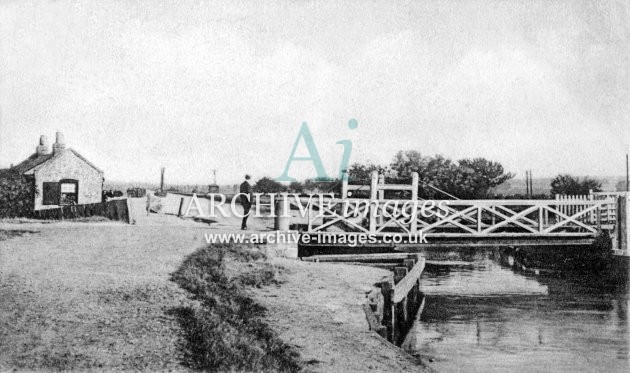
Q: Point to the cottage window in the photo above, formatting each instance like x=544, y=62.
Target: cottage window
x=68, y=192
x=50, y=193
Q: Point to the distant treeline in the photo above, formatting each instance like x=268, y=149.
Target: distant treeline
x=443, y=178
x=439, y=177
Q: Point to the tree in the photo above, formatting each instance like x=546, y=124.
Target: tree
x=565, y=184
x=569, y=185
x=475, y=177
x=621, y=186
x=361, y=174
x=322, y=185
x=588, y=184
x=440, y=177
x=406, y=162
x=268, y=185
x=296, y=187
x=433, y=171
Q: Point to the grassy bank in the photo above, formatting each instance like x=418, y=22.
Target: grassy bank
x=91, y=296
x=224, y=331
x=114, y=297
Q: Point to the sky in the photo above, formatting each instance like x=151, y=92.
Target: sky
x=195, y=86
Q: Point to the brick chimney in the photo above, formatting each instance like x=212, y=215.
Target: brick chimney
x=42, y=148
x=60, y=144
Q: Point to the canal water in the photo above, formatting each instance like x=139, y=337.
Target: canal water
x=481, y=316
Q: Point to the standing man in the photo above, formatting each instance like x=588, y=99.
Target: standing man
x=246, y=200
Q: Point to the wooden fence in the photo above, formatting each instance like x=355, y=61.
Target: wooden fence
x=116, y=209
x=605, y=214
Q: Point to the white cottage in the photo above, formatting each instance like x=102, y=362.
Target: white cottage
x=63, y=176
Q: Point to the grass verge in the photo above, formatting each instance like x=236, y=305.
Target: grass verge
x=225, y=332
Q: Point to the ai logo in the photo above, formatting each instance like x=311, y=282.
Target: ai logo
x=305, y=134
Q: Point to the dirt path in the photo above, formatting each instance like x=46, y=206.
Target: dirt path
x=318, y=309
x=83, y=296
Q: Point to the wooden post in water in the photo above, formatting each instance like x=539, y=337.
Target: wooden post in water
x=402, y=316
x=411, y=296
x=387, y=289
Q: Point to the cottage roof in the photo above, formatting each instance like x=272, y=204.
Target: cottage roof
x=31, y=162
x=34, y=161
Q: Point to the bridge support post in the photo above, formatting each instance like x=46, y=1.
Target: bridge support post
x=414, y=197
x=381, y=196
x=620, y=237
x=373, y=204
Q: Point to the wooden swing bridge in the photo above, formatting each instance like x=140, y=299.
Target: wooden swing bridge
x=567, y=220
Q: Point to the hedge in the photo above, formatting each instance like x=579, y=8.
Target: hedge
x=17, y=194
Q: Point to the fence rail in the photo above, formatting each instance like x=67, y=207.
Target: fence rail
x=116, y=209
x=396, y=301
x=402, y=288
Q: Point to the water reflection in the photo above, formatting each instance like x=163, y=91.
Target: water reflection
x=481, y=316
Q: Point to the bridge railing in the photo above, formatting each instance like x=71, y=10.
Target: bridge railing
x=456, y=218
x=564, y=216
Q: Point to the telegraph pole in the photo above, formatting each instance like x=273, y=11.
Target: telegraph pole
x=527, y=183
x=162, y=179
x=627, y=171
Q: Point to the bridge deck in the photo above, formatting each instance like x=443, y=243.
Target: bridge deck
x=334, y=239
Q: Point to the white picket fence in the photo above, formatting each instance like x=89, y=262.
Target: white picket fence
x=607, y=212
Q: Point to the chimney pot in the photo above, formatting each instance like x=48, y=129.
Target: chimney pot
x=42, y=148
x=59, y=145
